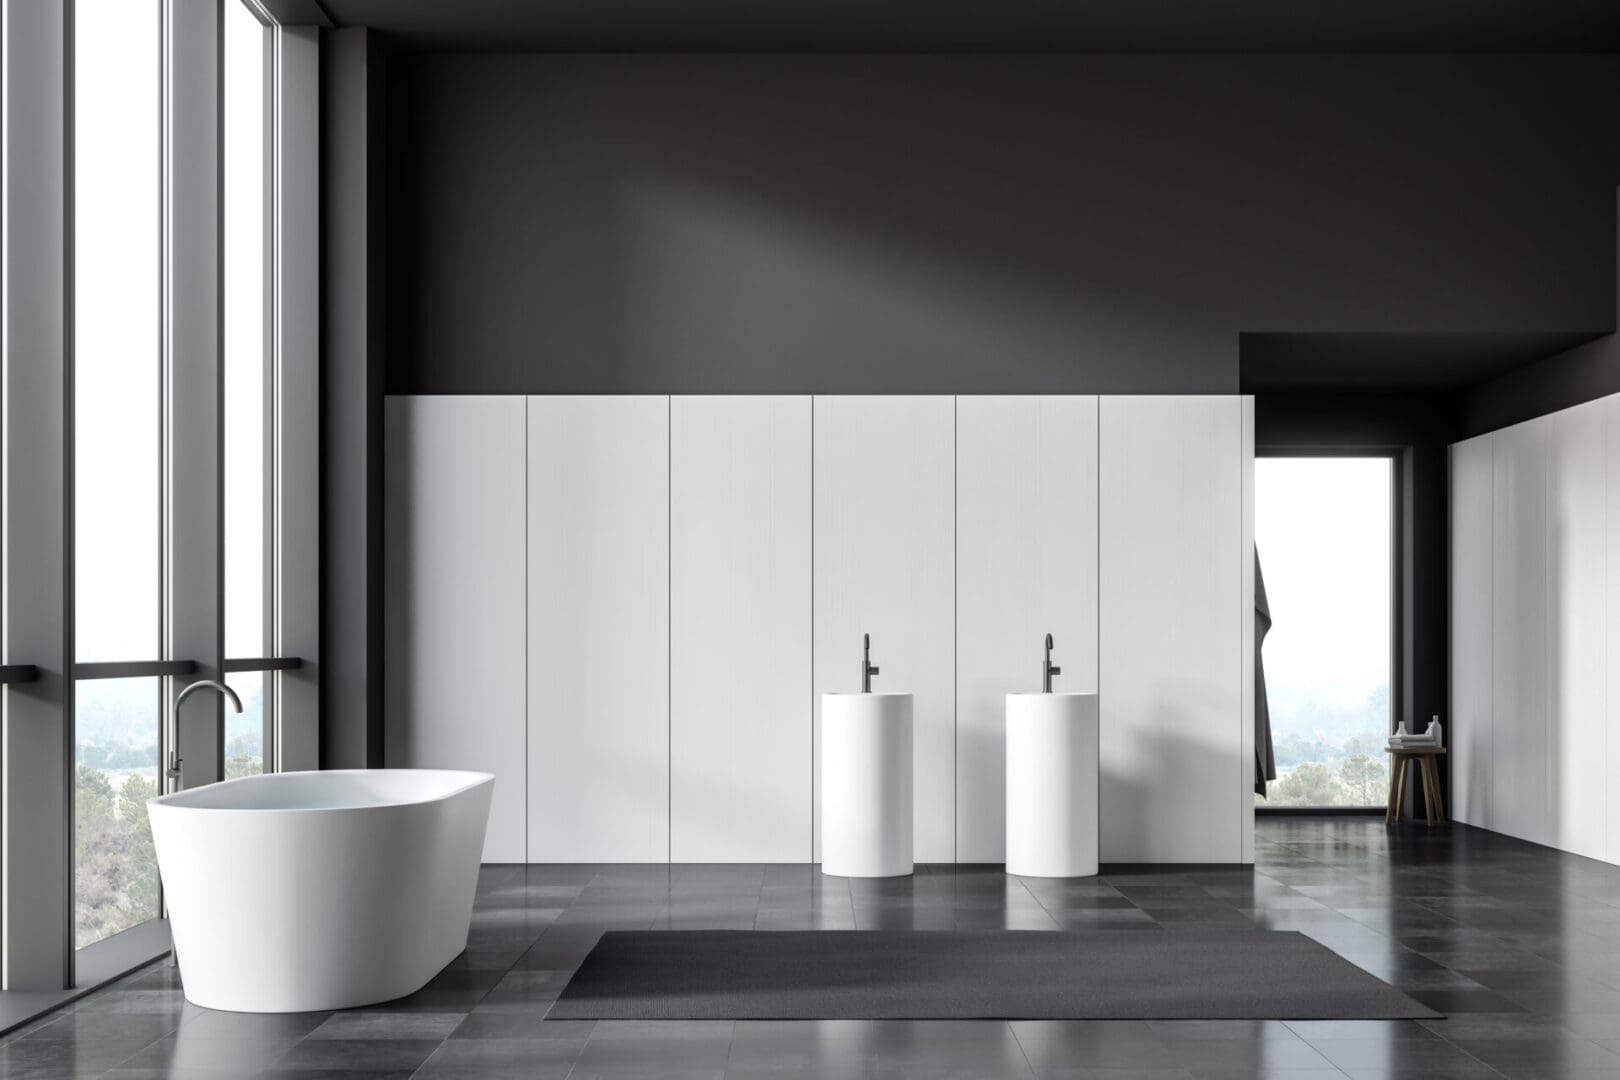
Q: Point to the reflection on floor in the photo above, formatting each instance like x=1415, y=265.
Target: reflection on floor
x=1518, y=944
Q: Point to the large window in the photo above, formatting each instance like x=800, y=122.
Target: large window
x=249, y=511
x=118, y=424
x=160, y=319
x=144, y=307
x=1323, y=532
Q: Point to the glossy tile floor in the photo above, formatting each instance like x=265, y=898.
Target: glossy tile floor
x=1519, y=945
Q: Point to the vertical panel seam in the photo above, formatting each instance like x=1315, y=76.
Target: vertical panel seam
x=669, y=628
x=812, y=855
x=526, y=600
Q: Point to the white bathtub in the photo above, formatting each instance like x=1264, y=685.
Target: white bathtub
x=319, y=890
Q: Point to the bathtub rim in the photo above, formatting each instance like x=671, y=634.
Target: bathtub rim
x=174, y=800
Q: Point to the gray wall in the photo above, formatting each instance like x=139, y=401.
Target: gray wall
x=1583, y=373
x=1098, y=223
x=845, y=224
x=353, y=255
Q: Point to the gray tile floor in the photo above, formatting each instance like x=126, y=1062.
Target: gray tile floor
x=1519, y=945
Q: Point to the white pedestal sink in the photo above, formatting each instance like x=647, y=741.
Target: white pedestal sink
x=866, y=807
x=1052, y=785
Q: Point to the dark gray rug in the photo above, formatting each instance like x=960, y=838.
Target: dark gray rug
x=990, y=974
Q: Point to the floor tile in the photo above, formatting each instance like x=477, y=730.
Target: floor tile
x=1519, y=946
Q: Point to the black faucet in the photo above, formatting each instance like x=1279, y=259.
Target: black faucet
x=868, y=669
x=1048, y=669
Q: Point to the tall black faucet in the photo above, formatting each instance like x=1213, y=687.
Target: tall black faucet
x=1048, y=669
x=868, y=669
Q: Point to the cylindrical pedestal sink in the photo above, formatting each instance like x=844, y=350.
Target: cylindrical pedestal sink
x=866, y=815
x=1052, y=785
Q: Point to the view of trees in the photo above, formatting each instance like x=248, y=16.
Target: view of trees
x=117, y=770
x=1329, y=757
x=1358, y=780
x=116, y=877
x=1322, y=528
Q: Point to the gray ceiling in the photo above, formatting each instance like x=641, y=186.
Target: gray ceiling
x=1389, y=361
x=991, y=25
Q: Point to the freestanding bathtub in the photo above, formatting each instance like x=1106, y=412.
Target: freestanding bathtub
x=303, y=891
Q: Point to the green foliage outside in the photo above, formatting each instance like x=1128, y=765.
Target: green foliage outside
x=1358, y=780
x=243, y=764
x=115, y=871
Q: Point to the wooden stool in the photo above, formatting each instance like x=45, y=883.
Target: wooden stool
x=1423, y=757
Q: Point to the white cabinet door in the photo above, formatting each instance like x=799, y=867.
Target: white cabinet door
x=885, y=566
x=740, y=697
x=598, y=588
x=1520, y=802
x=453, y=605
x=1026, y=566
x=1172, y=620
x=1577, y=628
x=1468, y=728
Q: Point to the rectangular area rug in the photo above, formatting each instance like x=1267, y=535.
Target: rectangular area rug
x=981, y=974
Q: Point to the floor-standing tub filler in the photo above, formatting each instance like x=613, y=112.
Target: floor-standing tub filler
x=303, y=891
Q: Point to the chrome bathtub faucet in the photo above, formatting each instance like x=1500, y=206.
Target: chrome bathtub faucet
x=173, y=771
x=1048, y=669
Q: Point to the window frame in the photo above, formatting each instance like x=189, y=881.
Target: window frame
x=38, y=668
x=1397, y=457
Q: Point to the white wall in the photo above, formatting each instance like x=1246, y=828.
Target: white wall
x=1173, y=615
x=453, y=603
x=1577, y=632
x=885, y=554
x=1472, y=557
x=739, y=714
x=1534, y=593
x=1611, y=594
x=1519, y=795
x=1026, y=566
x=598, y=633
x=654, y=591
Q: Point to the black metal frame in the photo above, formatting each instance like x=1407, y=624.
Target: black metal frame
x=133, y=669
x=263, y=663
x=1320, y=811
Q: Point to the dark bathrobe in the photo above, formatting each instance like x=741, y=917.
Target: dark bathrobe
x=1265, y=766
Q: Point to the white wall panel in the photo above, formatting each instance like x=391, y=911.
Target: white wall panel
x=1576, y=639
x=740, y=693
x=1520, y=803
x=1246, y=642
x=453, y=606
x=1468, y=728
x=1172, y=618
x=884, y=565
x=1610, y=413
x=598, y=602
x=1026, y=566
